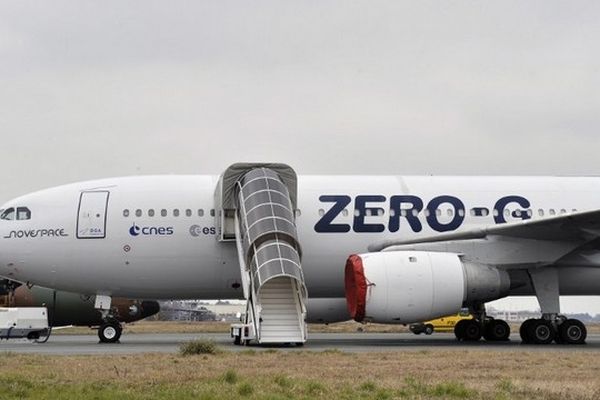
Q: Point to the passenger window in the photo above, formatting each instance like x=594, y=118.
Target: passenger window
x=438, y=212
x=126, y=213
x=552, y=212
x=151, y=213
x=8, y=214
x=212, y=212
x=529, y=213
x=297, y=213
x=200, y=212
x=321, y=212
x=426, y=213
x=163, y=213
x=461, y=212
x=563, y=211
x=188, y=213
x=507, y=213
x=450, y=212
x=138, y=213
x=541, y=212
x=345, y=212
x=23, y=213
x=176, y=212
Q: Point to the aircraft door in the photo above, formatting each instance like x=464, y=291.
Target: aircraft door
x=91, y=216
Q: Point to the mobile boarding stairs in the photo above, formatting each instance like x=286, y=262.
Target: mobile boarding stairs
x=256, y=206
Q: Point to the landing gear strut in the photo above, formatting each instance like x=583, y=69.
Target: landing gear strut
x=111, y=329
x=552, y=326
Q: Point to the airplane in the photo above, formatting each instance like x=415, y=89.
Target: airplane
x=72, y=309
x=386, y=249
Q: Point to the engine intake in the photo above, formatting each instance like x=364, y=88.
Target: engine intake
x=409, y=286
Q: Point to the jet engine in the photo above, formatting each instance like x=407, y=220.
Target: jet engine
x=401, y=287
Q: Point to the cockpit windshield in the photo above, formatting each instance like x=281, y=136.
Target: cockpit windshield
x=8, y=214
x=19, y=214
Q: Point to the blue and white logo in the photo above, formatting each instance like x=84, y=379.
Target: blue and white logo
x=151, y=230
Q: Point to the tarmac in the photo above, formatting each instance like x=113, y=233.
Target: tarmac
x=345, y=342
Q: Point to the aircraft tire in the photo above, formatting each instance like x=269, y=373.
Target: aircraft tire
x=110, y=332
x=572, y=331
x=541, y=331
x=496, y=330
x=523, y=331
x=428, y=329
x=459, y=329
x=472, y=330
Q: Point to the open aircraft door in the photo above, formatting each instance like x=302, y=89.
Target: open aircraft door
x=91, y=215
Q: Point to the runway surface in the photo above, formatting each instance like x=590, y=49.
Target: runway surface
x=347, y=342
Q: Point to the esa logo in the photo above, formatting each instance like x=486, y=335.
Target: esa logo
x=150, y=230
x=197, y=230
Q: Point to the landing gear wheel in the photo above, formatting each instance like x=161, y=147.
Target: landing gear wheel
x=110, y=332
x=524, y=329
x=459, y=329
x=541, y=331
x=472, y=330
x=496, y=330
x=572, y=331
x=428, y=329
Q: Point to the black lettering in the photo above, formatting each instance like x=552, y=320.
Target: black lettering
x=360, y=205
x=504, y=201
x=396, y=211
x=325, y=225
x=457, y=220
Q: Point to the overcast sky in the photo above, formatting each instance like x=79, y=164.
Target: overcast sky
x=94, y=89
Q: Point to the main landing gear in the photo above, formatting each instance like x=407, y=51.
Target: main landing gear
x=558, y=329
x=472, y=330
x=552, y=327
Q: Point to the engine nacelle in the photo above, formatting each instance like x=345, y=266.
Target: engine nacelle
x=401, y=287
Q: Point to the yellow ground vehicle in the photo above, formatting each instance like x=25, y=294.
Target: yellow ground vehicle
x=444, y=324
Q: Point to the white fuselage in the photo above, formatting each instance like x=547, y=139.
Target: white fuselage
x=177, y=255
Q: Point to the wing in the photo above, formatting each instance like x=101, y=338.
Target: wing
x=575, y=227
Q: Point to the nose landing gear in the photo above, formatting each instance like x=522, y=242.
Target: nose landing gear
x=110, y=331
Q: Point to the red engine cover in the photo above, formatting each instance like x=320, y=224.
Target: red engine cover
x=356, y=287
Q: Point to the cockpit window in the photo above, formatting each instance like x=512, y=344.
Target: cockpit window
x=23, y=213
x=8, y=214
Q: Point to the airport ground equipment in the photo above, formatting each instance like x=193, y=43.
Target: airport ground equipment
x=18, y=323
x=443, y=324
x=66, y=308
x=256, y=208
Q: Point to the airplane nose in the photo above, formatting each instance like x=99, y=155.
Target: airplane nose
x=149, y=308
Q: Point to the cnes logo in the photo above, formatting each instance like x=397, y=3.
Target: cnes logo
x=150, y=230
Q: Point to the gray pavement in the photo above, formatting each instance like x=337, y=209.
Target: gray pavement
x=347, y=342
